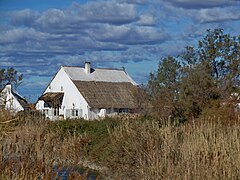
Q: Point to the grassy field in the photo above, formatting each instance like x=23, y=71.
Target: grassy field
x=144, y=148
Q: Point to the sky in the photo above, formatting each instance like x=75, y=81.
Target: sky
x=37, y=37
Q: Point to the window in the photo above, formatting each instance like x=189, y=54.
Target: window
x=61, y=88
x=45, y=111
x=46, y=105
x=74, y=112
x=55, y=112
x=123, y=110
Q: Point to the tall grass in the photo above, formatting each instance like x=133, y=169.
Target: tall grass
x=141, y=148
x=33, y=151
x=208, y=149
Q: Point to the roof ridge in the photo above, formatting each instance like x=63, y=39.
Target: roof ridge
x=94, y=68
x=110, y=69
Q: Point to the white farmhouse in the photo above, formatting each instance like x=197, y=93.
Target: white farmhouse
x=12, y=101
x=88, y=93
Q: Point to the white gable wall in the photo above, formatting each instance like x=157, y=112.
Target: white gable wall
x=11, y=102
x=72, y=98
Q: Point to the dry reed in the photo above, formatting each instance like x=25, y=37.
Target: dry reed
x=208, y=149
x=31, y=151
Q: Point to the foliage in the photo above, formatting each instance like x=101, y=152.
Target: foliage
x=11, y=76
x=186, y=85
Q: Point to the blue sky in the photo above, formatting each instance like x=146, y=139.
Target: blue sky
x=37, y=37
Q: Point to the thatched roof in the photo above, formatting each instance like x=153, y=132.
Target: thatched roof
x=54, y=97
x=22, y=101
x=108, y=94
x=99, y=75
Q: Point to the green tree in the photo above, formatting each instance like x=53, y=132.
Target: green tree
x=163, y=87
x=220, y=53
x=186, y=85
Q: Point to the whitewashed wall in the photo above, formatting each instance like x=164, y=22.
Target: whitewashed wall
x=11, y=102
x=72, y=97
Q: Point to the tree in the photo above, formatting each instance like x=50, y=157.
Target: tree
x=163, y=87
x=10, y=76
x=186, y=85
x=221, y=55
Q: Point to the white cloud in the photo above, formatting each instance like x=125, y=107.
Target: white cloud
x=147, y=20
x=19, y=35
x=198, y=4
x=135, y=1
x=217, y=15
x=129, y=34
x=23, y=17
x=108, y=32
x=52, y=17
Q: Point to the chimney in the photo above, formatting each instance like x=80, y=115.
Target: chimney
x=88, y=67
x=9, y=88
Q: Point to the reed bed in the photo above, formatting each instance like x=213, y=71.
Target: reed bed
x=32, y=151
x=135, y=148
x=203, y=149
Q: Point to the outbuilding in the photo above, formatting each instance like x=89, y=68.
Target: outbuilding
x=12, y=101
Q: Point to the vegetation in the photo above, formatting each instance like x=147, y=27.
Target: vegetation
x=197, y=80
x=35, y=150
x=137, y=148
x=190, y=128
x=204, y=150
x=11, y=76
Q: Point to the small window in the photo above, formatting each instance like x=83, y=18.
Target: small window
x=55, y=112
x=45, y=111
x=61, y=88
x=76, y=112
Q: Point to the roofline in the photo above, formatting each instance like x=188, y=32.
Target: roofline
x=95, y=68
x=113, y=69
x=50, y=81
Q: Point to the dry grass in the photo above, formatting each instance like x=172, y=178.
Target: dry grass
x=205, y=150
x=31, y=151
x=132, y=149
x=7, y=122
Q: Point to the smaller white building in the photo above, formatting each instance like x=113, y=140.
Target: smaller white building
x=89, y=93
x=12, y=101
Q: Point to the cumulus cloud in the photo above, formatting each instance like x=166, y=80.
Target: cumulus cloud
x=106, y=33
x=135, y=1
x=147, y=20
x=24, y=17
x=130, y=34
x=19, y=35
x=217, y=15
x=197, y=4
x=104, y=12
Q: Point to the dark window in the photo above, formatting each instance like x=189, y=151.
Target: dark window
x=55, y=112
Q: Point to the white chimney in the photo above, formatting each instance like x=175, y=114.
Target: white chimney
x=88, y=67
x=9, y=88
